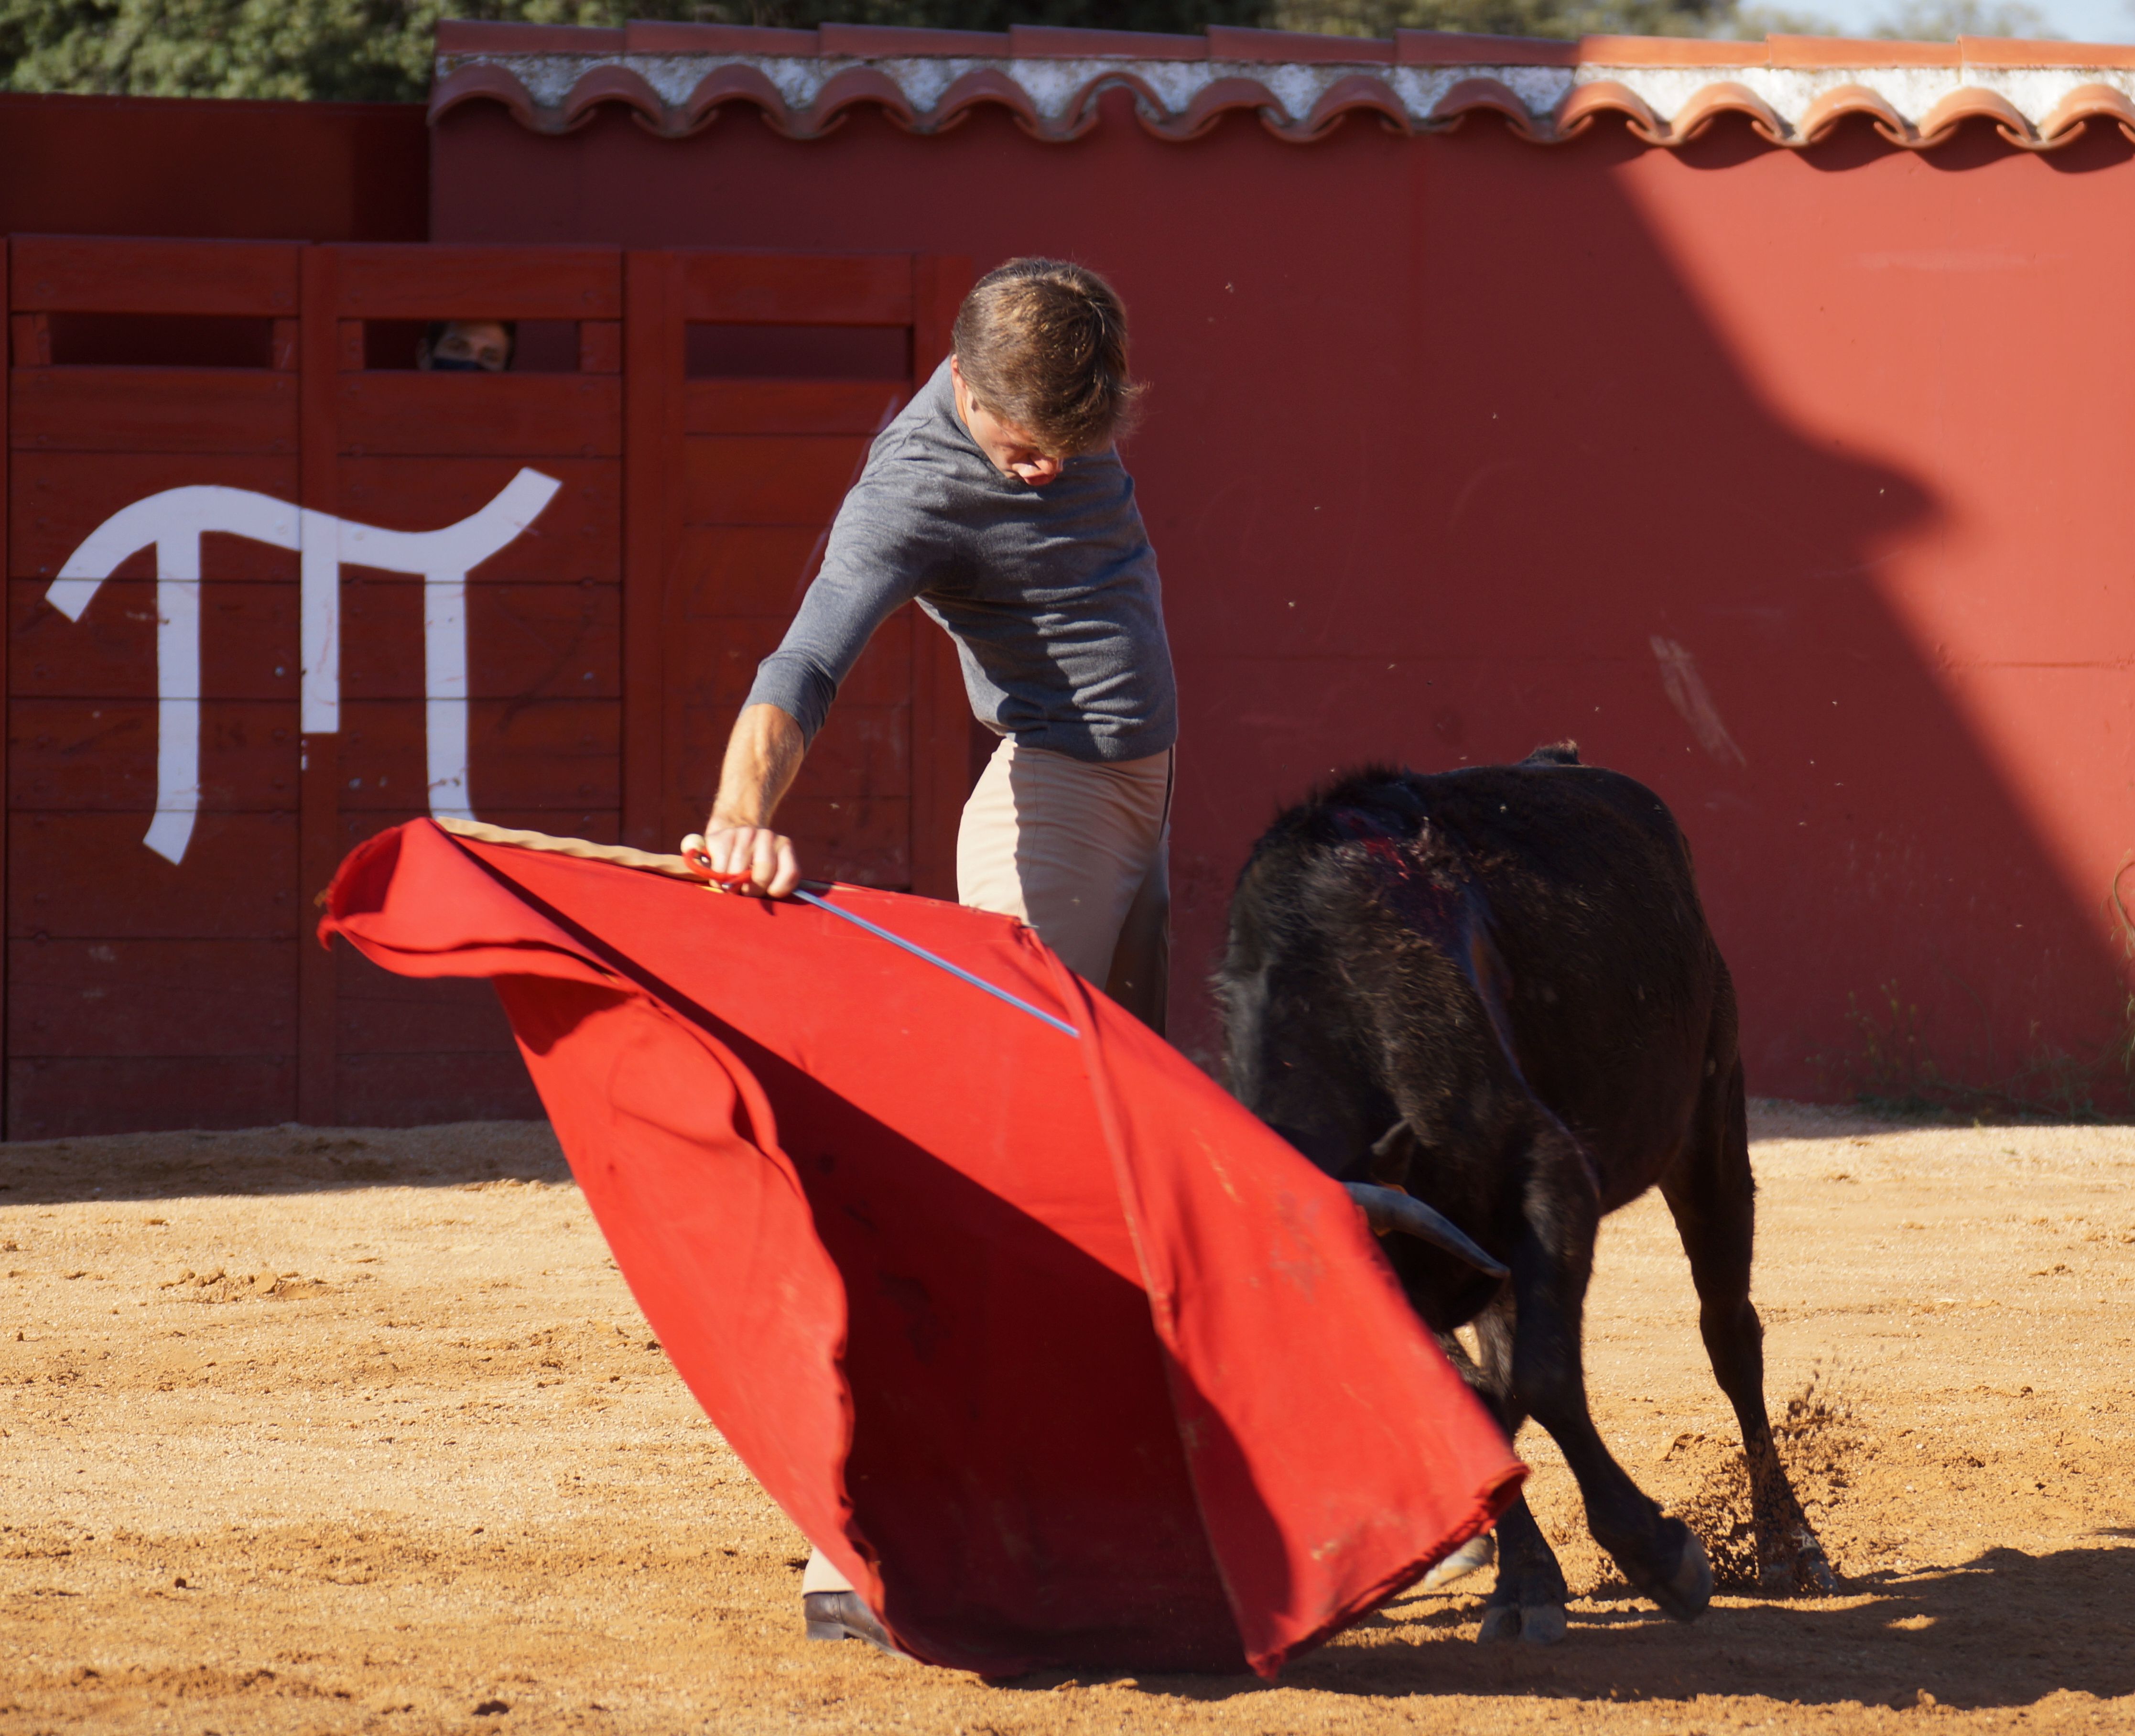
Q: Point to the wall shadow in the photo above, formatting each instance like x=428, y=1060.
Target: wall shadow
x=1592, y=483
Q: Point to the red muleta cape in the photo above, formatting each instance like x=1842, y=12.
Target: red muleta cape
x=1061, y=1356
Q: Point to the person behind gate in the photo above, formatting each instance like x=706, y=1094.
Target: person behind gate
x=997, y=500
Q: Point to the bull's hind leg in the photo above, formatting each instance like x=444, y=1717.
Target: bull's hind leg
x=1713, y=1196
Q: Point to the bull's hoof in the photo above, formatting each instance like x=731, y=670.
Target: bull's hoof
x=1802, y=1570
x=1686, y=1591
x=1536, y=1624
x=1471, y=1557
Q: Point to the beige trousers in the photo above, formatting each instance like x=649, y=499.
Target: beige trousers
x=1081, y=853
x=1080, y=850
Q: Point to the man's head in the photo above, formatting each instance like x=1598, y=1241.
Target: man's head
x=468, y=346
x=1041, y=366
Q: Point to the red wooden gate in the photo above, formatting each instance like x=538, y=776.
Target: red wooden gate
x=536, y=597
x=493, y=690
x=144, y=991
x=743, y=442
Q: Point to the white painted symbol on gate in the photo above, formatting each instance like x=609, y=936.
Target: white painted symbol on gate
x=175, y=521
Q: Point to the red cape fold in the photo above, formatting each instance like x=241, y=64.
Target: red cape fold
x=1059, y=1354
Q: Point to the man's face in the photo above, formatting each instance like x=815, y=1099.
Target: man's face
x=1008, y=447
x=471, y=343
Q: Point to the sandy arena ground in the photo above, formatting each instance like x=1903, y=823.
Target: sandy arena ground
x=337, y=1432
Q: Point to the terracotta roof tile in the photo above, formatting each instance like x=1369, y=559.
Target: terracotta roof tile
x=1792, y=89
x=1585, y=104
x=2087, y=103
x=1961, y=106
x=1709, y=102
x=1830, y=107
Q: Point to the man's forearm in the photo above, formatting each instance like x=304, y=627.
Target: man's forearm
x=763, y=756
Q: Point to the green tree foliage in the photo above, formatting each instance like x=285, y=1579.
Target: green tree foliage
x=352, y=50
x=380, y=50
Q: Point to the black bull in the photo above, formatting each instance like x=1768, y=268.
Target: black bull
x=1495, y=988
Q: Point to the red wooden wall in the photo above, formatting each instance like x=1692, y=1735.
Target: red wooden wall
x=742, y=474
x=178, y=166
x=158, y=970
x=401, y=448
x=1791, y=482
x=130, y=977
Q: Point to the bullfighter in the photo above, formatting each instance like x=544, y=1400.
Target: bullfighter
x=997, y=499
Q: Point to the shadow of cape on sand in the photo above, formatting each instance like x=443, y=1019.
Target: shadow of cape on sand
x=2003, y=1630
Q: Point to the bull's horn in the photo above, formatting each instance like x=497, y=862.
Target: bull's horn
x=1388, y=1208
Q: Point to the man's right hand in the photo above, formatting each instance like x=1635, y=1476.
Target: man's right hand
x=762, y=754
x=764, y=856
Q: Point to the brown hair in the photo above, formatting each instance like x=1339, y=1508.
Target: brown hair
x=1043, y=344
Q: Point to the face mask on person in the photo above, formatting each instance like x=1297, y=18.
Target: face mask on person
x=455, y=364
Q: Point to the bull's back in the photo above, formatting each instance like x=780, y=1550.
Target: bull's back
x=1612, y=981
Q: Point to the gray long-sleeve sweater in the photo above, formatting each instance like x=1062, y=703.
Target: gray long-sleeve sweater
x=1051, y=594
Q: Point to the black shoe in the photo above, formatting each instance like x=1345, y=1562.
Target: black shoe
x=842, y=1616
